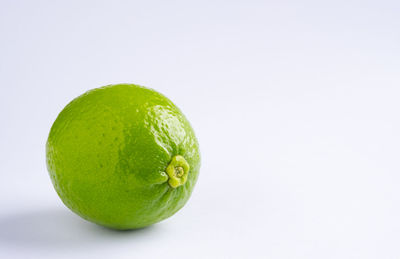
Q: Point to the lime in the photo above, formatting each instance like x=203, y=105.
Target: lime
x=123, y=156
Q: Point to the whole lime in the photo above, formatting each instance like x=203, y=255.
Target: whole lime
x=123, y=156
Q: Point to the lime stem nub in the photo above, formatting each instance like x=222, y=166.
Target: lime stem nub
x=177, y=171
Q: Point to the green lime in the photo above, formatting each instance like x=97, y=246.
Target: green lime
x=123, y=156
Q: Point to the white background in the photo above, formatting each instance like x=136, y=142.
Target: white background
x=295, y=104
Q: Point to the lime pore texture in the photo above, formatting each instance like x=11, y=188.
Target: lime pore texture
x=108, y=152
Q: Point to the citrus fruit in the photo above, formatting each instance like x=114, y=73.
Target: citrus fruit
x=123, y=156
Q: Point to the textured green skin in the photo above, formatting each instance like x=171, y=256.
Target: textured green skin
x=108, y=150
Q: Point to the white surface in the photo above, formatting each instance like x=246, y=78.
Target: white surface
x=295, y=104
